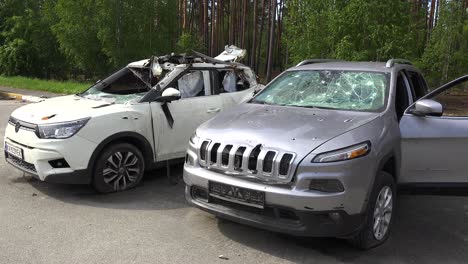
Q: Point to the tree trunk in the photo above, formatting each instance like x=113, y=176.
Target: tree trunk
x=232, y=23
x=430, y=23
x=280, y=32
x=212, y=28
x=205, y=24
x=184, y=15
x=271, y=42
x=254, y=37
x=244, y=16
x=259, y=51
x=268, y=21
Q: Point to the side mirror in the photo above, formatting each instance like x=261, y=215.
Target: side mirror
x=427, y=107
x=168, y=95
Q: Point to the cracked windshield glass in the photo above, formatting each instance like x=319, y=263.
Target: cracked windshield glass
x=122, y=86
x=343, y=90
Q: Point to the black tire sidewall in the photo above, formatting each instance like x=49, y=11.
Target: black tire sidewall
x=366, y=237
x=98, y=178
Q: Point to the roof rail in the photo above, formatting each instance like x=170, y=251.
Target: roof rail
x=311, y=61
x=392, y=62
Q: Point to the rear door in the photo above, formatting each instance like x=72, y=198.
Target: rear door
x=435, y=148
x=234, y=85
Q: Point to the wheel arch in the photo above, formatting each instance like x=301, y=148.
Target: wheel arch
x=133, y=138
x=390, y=163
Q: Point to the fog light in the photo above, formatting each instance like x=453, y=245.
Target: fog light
x=189, y=160
x=336, y=217
x=59, y=163
x=325, y=185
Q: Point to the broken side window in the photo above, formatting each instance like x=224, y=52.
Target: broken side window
x=230, y=81
x=191, y=84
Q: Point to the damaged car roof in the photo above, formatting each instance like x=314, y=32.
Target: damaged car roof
x=229, y=56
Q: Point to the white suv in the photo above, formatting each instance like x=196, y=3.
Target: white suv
x=127, y=123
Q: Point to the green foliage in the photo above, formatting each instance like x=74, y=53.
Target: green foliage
x=309, y=29
x=374, y=30
x=446, y=56
x=350, y=30
x=103, y=34
x=63, y=39
x=28, y=46
x=60, y=87
x=76, y=31
x=189, y=41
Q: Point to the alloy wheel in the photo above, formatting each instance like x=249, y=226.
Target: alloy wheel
x=383, y=212
x=121, y=170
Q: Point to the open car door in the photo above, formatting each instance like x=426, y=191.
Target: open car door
x=434, y=137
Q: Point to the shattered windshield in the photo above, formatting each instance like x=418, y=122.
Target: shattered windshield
x=331, y=89
x=127, y=84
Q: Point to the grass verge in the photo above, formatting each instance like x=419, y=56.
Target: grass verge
x=65, y=87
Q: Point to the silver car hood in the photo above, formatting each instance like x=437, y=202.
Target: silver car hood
x=293, y=129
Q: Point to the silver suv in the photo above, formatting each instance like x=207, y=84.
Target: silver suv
x=319, y=151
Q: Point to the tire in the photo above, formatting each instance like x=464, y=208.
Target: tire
x=119, y=167
x=383, y=193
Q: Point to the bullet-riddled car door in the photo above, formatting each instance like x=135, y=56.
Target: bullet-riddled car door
x=435, y=145
x=195, y=106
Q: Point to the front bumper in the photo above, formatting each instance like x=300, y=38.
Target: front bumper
x=37, y=154
x=287, y=210
x=335, y=223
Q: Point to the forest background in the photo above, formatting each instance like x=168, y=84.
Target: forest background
x=84, y=40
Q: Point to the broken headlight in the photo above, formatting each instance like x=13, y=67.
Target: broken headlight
x=348, y=153
x=194, y=138
x=61, y=130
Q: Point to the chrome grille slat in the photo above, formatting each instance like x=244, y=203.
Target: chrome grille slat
x=260, y=158
x=245, y=158
x=268, y=165
x=231, y=157
x=219, y=153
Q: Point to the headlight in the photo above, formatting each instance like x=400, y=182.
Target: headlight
x=348, y=153
x=61, y=130
x=194, y=138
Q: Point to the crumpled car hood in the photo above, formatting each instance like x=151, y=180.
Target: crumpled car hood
x=294, y=129
x=59, y=109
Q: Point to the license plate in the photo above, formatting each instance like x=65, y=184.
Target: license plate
x=14, y=151
x=237, y=195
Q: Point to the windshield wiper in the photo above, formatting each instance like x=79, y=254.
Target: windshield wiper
x=266, y=103
x=313, y=106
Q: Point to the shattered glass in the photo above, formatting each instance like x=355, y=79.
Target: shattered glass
x=345, y=90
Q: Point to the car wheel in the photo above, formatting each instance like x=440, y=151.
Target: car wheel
x=379, y=215
x=118, y=168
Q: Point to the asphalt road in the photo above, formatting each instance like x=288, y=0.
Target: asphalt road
x=46, y=223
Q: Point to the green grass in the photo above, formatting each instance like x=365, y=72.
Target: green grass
x=65, y=87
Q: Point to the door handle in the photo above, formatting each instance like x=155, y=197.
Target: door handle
x=213, y=110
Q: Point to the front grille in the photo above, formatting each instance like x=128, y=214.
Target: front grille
x=21, y=164
x=22, y=125
x=257, y=161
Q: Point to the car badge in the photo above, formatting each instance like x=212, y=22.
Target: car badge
x=17, y=127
